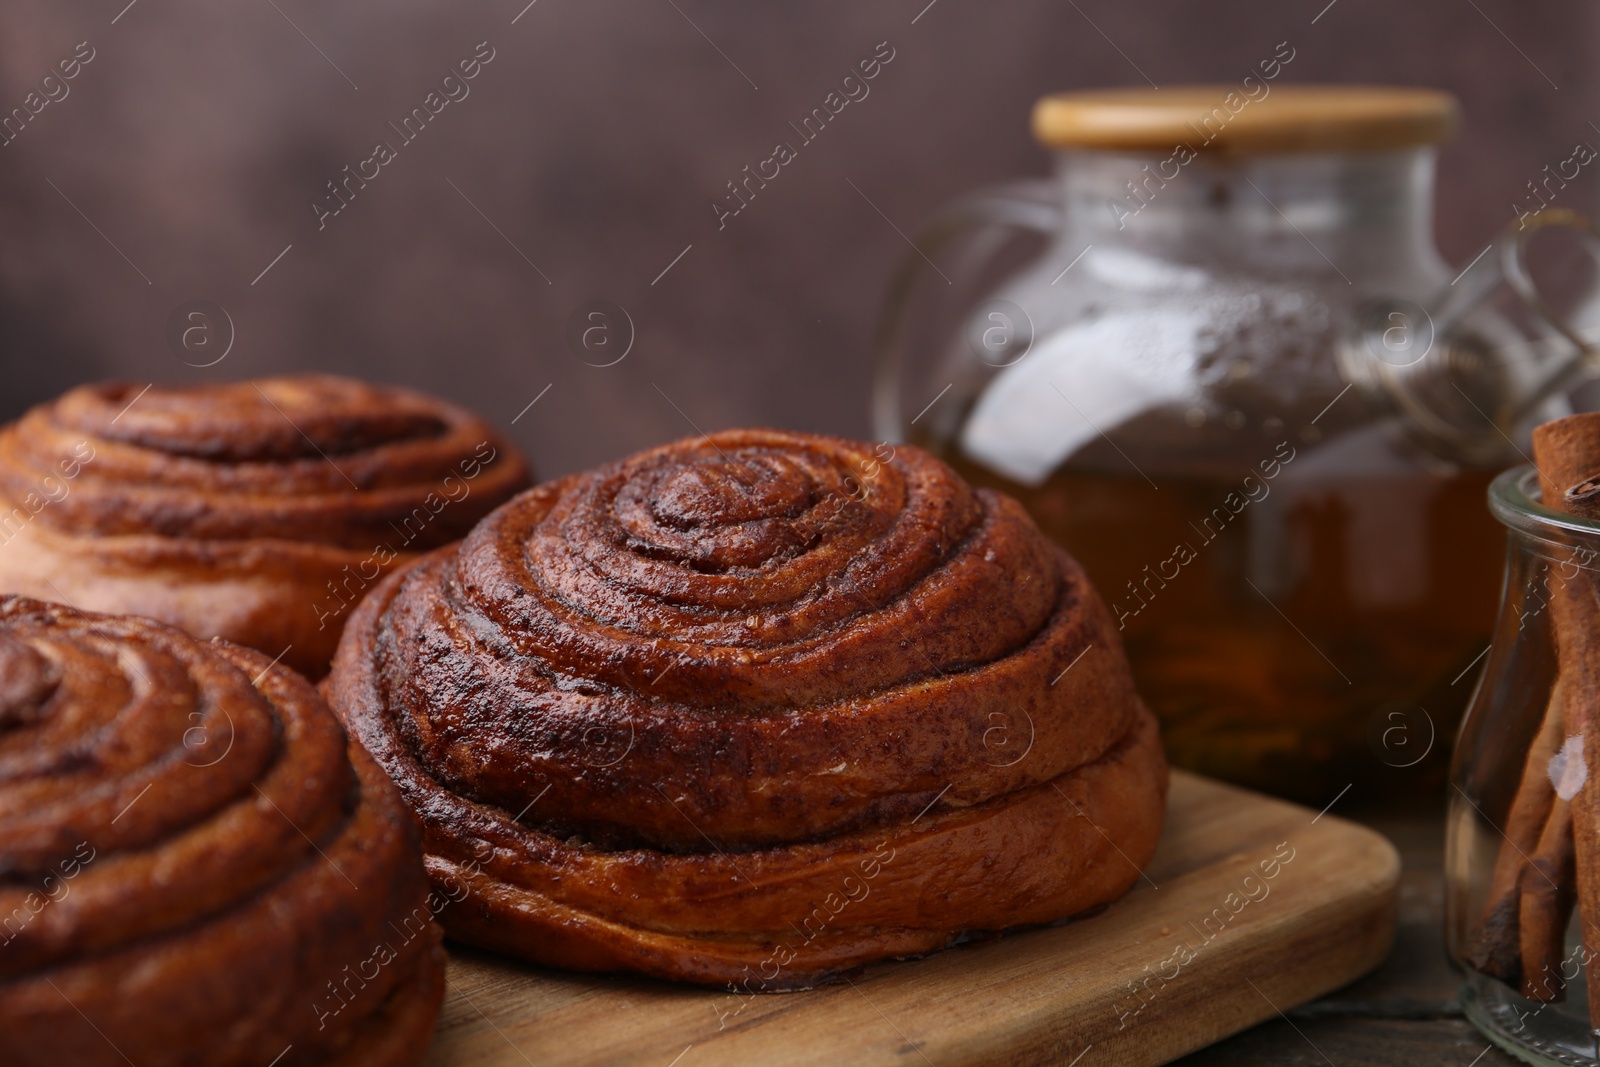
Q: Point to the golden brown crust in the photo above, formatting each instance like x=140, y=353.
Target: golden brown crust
x=195, y=860
x=257, y=511
x=654, y=716
x=795, y=916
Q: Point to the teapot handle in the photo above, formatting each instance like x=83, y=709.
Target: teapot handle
x=1585, y=357
x=990, y=218
x=1468, y=348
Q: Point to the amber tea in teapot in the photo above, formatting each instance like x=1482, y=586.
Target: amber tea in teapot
x=1230, y=385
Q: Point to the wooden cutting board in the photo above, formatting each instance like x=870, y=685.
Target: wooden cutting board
x=1250, y=907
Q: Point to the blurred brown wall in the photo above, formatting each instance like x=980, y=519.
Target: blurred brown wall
x=596, y=140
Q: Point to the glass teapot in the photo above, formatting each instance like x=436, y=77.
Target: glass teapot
x=1242, y=387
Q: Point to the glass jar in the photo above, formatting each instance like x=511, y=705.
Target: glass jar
x=1228, y=383
x=1538, y=1011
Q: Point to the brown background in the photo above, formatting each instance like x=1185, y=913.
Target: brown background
x=596, y=141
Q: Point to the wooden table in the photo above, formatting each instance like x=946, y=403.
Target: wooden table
x=1406, y=1012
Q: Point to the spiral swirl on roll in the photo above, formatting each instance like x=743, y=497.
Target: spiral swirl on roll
x=258, y=511
x=195, y=864
x=658, y=715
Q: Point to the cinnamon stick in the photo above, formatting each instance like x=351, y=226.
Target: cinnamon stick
x=1548, y=893
x=1498, y=943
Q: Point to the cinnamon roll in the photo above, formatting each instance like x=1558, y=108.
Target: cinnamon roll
x=756, y=708
x=196, y=867
x=258, y=511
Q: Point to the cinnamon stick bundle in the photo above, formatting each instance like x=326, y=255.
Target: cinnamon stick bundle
x=1567, y=452
x=1551, y=855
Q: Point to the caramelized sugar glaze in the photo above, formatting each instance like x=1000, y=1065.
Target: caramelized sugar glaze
x=196, y=866
x=756, y=708
x=259, y=511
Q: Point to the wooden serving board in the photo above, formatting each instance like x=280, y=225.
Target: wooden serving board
x=1250, y=907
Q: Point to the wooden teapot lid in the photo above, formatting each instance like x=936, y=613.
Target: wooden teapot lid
x=1225, y=118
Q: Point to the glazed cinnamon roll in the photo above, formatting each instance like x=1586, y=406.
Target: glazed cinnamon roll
x=755, y=709
x=258, y=511
x=196, y=866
